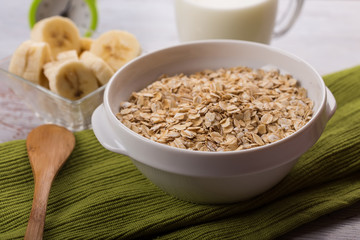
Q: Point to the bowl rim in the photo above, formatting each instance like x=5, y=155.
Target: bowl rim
x=314, y=117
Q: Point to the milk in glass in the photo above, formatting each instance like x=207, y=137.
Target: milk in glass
x=251, y=20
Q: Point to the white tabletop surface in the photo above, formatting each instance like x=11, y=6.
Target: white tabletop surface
x=327, y=35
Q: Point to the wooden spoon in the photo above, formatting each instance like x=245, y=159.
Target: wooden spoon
x=48, y=148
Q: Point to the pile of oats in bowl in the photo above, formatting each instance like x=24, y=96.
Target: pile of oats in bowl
x=223, y=110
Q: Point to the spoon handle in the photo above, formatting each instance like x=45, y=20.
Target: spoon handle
x=35, y=227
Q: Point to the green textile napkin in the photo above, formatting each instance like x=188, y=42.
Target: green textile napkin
x=101, y=195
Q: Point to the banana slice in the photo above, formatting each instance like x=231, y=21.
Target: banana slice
x=116, y=48
x=85, y=44
x=50, y=67
x=60, y=33
x=72, y=80
x=67, y=55
x=99, y=67
x=28, y=61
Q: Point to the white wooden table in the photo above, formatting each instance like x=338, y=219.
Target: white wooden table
x=327, y=35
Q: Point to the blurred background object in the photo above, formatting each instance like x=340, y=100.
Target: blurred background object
x=83, y=12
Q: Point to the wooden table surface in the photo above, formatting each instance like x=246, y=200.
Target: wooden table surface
x=327, y=35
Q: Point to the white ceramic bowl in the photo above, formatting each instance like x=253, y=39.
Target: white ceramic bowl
x=210, y=177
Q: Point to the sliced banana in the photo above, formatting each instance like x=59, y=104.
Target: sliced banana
x=28, y=61
x=50, y=70
x=50, y=67
x=116, y=48
x=85, y=44
x=51, y=58
x=99, y=67
x=59, y=32
x=72, y=80
x=67, y=55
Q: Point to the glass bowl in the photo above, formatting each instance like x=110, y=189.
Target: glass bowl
x=50, y=107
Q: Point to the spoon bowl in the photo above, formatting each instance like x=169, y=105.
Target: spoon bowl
x=48, y=147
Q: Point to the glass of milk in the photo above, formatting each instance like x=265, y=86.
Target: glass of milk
x=251, y=20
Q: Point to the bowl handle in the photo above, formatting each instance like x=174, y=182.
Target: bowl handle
x=330, y=104
x=104, y=133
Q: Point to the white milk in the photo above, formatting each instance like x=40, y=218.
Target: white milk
x=251, y=20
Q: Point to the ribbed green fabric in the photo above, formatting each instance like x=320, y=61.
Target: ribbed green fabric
x=101, y=195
